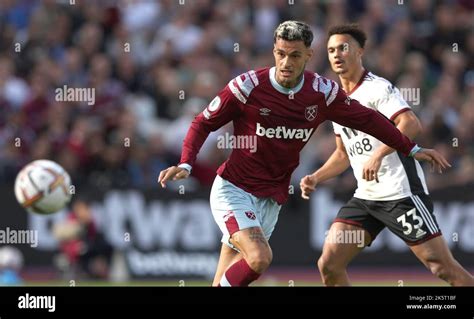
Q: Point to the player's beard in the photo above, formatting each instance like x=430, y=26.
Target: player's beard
x=299, y=77
x=291, y=84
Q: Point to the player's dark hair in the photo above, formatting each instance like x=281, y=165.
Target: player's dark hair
x=294, y=31
x=351, y=29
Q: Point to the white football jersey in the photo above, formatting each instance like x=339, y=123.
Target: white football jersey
x=399, y=176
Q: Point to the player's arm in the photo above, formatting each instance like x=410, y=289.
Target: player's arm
x=337, y=163
x=407, y=123
x=350, y=113
x=219, y=112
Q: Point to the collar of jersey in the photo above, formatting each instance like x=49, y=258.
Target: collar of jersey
x=282, y=89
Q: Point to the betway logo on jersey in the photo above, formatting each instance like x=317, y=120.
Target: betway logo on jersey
x=284, y=132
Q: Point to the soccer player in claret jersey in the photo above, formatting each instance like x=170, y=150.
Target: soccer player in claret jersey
x=391, y=190
x=281, y=107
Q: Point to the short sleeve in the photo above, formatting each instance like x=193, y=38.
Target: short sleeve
x=390, y=102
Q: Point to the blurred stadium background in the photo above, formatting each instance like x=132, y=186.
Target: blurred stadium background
x=154, y=66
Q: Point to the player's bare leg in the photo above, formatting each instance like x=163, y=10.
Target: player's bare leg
x=437, y=257
x=227, y=257
x=257, y=256
x=254, y=248
x=336, y=256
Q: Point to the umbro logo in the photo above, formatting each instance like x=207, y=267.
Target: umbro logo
x=264, y=111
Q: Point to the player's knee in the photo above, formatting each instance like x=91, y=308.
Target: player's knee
x=260, y=260
x=440, y=270
x=328, y=268
x=320, y=264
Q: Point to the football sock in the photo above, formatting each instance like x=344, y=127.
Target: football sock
x=239, y=274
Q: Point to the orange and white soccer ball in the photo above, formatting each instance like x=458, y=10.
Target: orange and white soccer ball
x=43, y=187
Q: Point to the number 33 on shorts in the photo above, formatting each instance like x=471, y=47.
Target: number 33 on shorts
x=417, y=220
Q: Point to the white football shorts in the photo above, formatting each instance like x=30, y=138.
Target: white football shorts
x=234, y=209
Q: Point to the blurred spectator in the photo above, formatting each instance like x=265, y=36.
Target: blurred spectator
x=11, y=262
x=84, y=249
x=151, y=62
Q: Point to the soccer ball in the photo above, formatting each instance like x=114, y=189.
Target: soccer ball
x=43, y=187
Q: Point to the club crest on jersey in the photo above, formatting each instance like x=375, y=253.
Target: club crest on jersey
x=310, y=112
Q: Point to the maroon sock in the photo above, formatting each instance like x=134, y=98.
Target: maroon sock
x=239, y=274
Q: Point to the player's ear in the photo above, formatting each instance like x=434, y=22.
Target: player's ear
x=309, y=53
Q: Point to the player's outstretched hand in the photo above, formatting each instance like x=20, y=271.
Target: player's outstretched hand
x=172, y=173
x=437, y=160
x=371, y=168
x=308, y=185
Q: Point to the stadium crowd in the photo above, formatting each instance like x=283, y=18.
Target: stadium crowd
x=154, y=65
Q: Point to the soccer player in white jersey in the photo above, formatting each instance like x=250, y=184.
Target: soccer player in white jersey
x=280, y=107
x=391, y=190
